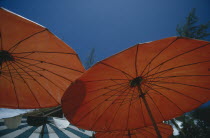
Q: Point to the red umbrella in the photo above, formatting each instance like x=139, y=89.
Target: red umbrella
x=36, y=67
x=145, y=132
x=142, y=85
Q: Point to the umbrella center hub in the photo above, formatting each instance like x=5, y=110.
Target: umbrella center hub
x=136, y=81
x=5, y=56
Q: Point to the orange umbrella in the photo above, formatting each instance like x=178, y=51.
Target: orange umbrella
x=36, y=67
x=140, y=86
x=145, y=132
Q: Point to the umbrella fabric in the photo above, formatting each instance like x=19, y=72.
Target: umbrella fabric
x=50, y=131
x=146, y=132
x=171, y=74
x=36, y=67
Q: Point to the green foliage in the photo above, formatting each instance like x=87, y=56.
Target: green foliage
x=195, y=124
x=191, y=29
x=202, y=114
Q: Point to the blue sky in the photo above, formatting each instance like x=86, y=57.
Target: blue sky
x=109, y=26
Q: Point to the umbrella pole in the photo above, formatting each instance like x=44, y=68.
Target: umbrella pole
x=129, y=133
x=149, y=112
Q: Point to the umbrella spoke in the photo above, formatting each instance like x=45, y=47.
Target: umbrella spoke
x=17, y=44
x=177, y=92
x=40, y=75
x=107, y=87
x=26, y=84
x=136, y=56
x=166, y=98
x=166, y=77
x=19, y=60
x=46, y=70
x=40, y=52
x=13, y=84
x=1, y=42
x=141, y=106
x=158, y=55
x=147, y=131
x=202, y=46
x=98, y=105
x=101, y=95
x=124, y=73
x=161, y=131
x=4, y=76
x=164, y=82
x=41, y=85
x=186, y=65
x=156, y=106
x=130, y=107
x=156, y=72
x=124, y=89
x=118, y=110
x=49, y=63
x=104, y=80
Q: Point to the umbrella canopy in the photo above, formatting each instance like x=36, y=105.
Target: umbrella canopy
x=36, y=67
x=50, y=130
x=146, y=132
x=144, y=84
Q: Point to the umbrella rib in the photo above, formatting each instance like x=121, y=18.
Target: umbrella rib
x=156, y=106
x=126, y=74
x=2, y=75
x=17, y=78
x=29, y=64
x=163, y=127
x=98, y=105
x=106, y=87
x=177, y=92
x=158, y=54
x=179, y=67
x=147, y=131
x=40, y=75
x=136, y=56
x=47, y=70
x=166, y=98
x=130, y=107
x=98, y=97
x=117, y=110
x=158, y=127
x=13, y=84
x=141, y=106
x=107, y=108
x=179, y=56
x=16, y=60
x=181, y=84
x=32, y=52
x=104, y=80
x=166, y=77
x=1, y=41
x=26, y=84
x=16, y=45
x=50, y=64
x=156, y=72
x=41, y=85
